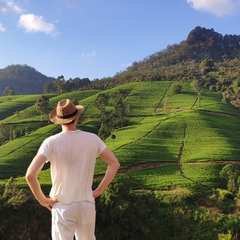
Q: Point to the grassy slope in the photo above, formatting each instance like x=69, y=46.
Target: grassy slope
x=172, y=139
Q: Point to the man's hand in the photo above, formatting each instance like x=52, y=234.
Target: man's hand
x=96, y=193
x=48, y=203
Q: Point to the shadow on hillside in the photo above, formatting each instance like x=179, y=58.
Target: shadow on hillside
x=227, y=129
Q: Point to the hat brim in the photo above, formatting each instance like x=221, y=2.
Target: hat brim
x=55, y=119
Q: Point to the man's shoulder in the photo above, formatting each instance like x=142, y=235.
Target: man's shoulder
x=52, y=137
x=88, y=134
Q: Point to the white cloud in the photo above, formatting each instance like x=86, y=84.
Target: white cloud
x=217, y=7
x=10, y=6
x=33, y=23
x=2, y=29
x=29, y=22
x=89, y=56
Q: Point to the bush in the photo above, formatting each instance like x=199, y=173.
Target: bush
x=177, y=88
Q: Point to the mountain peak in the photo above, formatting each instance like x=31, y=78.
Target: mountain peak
x=23, y=78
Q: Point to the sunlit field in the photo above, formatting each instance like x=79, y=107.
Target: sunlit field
x=171, y=139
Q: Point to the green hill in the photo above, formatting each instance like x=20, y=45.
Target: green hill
x=23, y=79
x=205, y=56
x=171, y=139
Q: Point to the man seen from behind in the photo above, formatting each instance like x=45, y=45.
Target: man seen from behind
x=72, y=155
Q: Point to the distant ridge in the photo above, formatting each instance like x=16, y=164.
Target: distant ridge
x=24, y=79
x=204, y=54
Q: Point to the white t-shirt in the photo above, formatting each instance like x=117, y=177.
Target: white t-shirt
x=72, y=155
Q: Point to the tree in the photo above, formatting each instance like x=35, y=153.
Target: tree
x=231, y=174
x=127, y=214
x=60, y=85
x=195, y=84
x=42, y=105
x=9, y=91
x=104, y=131
x=101, y=101
x=207, y=65
x=12, y=195
x=4, y=132
x=120, y=109
x=49, y=87
x=110, y=120
x=177, y=88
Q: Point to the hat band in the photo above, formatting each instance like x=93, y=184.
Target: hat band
x=68, y=116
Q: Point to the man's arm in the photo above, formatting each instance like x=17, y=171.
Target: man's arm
x=31, y=177
x=113, y=165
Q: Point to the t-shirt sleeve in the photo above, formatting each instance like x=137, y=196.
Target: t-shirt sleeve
x=44, y=149
x=101, y=145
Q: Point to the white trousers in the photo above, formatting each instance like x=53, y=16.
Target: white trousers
x=73, y=219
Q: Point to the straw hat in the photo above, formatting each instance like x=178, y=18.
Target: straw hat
x=65, y=112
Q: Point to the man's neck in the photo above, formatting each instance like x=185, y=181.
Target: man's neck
x=71, y=127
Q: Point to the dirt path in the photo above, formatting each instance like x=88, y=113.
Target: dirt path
x=163, y=163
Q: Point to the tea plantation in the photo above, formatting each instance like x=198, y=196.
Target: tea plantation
x=181, y=139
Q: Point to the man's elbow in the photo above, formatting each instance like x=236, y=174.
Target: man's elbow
x=29, y=176
x=117, y=165
x=114, y=166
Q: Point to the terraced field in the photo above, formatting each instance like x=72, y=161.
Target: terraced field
x=171, y=140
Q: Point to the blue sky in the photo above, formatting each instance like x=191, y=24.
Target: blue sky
x=97, y=39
